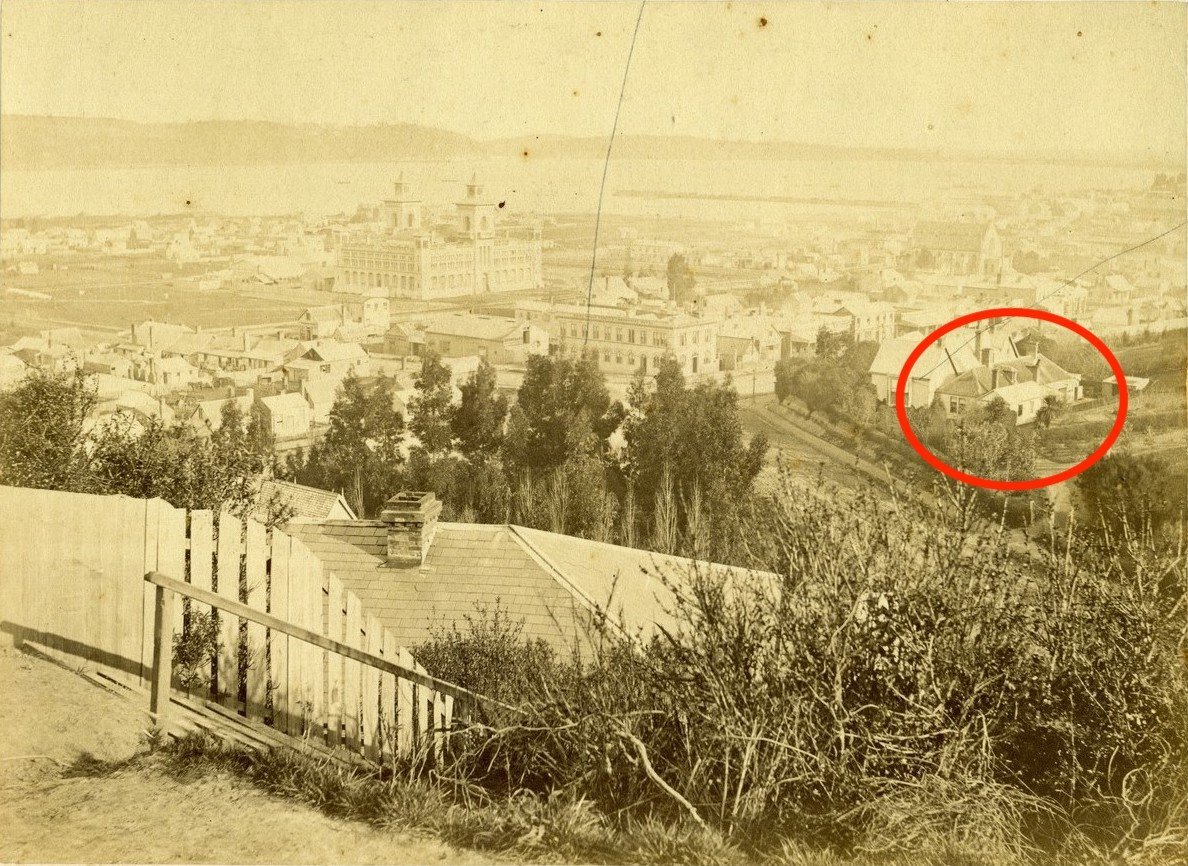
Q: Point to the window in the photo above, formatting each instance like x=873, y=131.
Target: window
x=631, y=336
x=953, y=405
x=1019, y=411
x=683, y=338
x=606, y=357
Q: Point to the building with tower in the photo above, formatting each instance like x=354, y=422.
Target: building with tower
x=470, y=255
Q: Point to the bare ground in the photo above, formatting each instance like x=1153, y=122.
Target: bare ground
x=67, y=795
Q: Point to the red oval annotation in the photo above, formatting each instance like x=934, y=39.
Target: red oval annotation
x=993, y=483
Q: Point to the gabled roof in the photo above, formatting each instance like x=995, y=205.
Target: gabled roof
x=1039, y=368
x=284, y=402
x=306, y=503
x=971, y=383
x=333, y=350
x=950, y=355
x=211, y=411
x=1020, y=392
x=475, y=327
x=550, y=582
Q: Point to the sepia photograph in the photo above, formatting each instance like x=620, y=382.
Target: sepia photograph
x=594, y=432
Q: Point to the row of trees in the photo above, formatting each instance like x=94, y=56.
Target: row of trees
x=668, y=470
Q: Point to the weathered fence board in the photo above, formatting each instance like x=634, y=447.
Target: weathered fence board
x=278, y=666
x=171, y=552
x=371, y=691
x=227, y=585
x=76, y=586
x=202, y=571
x=405, y=707
x=388, y=699
x=256, y=596
x=152, y=517
x=352, y=672
x=335, y=621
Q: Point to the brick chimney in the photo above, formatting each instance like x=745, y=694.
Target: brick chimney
x=411, y=517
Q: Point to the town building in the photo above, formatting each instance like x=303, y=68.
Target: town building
x=957, y=247
x=495, y=339
x=635, y=339
x=413, y=261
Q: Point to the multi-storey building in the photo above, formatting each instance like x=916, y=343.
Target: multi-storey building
x=412, y=261
x=633, y=339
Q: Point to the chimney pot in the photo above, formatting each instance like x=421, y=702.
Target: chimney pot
x=411, y=518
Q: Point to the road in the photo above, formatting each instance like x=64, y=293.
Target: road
x=807, y=450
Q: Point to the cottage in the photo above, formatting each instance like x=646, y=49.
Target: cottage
x=417, y=574
x=207, y=416
x=287, y=415
x=949, y=356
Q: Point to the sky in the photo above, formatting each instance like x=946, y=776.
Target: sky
x=984, y=76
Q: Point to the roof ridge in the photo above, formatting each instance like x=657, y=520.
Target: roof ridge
x=552, y=570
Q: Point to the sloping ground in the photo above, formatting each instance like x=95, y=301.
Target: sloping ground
x=69, y=794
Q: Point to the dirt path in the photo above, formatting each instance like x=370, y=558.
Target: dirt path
x=62, y=801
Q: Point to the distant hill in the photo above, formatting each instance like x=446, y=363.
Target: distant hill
x=33, y=142
x=70, y=142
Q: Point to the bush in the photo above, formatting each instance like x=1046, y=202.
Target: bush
x=901, y=683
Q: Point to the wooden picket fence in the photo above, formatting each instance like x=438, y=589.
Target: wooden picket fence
x=81, y=575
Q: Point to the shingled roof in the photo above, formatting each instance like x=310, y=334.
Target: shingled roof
x=306, y=503
x=551, y=583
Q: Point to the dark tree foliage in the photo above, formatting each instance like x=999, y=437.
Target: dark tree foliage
x=1123, y=494
x=41, y=431
x=431, y=410
x=144, y=459
x=689, y=441
x=360, y=455
x=561, y=401
x=831, y=345
x=479, y=420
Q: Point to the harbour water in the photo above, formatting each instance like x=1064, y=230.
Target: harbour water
x=536, y=185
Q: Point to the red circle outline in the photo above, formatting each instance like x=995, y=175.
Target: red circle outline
x=991, y=483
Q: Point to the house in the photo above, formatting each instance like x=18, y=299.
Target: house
x=945, y=358
x=971, y=248
x=748, y=341
x=417, y=574
x=319, y=393
x=404, y=339
x=173, y=373
x=207, y=416
x=287, y=415
x=329, y=358
x=1025, y=399
x=496, y=339
x=300, y=502
x=318, y=323
x=866, y=321
x=1134, y=385
x=985, y=382
x=136, y=405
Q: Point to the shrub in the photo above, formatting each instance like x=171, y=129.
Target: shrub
x=901, y=676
